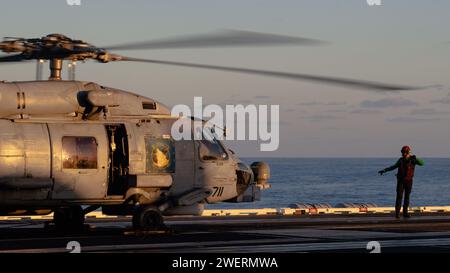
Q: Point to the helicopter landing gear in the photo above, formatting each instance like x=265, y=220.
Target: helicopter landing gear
x=69, y=218
x=148, y=217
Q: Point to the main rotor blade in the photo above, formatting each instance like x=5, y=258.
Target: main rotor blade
x=12, y=58
x=14, y=38
x=220, y=39
x=285, y=75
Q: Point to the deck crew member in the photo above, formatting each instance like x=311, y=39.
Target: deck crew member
x=405, y=165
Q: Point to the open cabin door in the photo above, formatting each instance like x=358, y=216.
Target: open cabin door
x=118, y=168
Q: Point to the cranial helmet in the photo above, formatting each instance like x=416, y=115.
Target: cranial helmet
x=406, y=150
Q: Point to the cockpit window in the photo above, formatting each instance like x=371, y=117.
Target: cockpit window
x=149, y=106
x=79, y=152
x=211, y=149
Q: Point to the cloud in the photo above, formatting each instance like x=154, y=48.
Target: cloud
x=333, y=128
x=388, y=102
x=285, y=123
x=365, y=111
x=336, y=103
x=260, y=97
x=322, y=117
x=309, y=103
x=315, y=103
x=293, y=110
x=336, y=111
x=428, y=111
x=445, y=100
x=235, y=99
x=412, y=119
x=236, y=102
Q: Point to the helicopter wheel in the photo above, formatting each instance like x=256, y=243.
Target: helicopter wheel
x=148, y=218
x=69, y=218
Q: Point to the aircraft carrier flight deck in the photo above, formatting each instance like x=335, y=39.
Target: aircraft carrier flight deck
x=251, y=233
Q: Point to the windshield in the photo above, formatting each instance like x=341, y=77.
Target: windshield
x=211, y=148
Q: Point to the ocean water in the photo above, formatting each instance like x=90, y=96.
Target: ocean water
x=339, y=180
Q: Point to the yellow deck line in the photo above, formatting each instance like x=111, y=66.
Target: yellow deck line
x=263, y=211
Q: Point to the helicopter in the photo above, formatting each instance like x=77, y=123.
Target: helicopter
x=71, y=147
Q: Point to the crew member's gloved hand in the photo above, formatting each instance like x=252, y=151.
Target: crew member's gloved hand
x=381, y=172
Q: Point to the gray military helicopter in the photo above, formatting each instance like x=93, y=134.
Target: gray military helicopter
x=72, y=147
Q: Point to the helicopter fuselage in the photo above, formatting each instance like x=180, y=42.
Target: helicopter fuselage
x=78, y=143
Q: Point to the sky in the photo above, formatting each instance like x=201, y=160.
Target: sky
x=401, y=41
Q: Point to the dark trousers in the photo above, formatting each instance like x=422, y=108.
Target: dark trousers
x=403, y=186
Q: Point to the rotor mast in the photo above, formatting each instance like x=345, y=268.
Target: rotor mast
x=56, y=66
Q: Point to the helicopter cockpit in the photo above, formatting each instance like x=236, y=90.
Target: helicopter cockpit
x=210, y=148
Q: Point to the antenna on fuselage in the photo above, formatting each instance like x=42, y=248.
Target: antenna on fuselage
x=71, y=70
x=39, y=69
